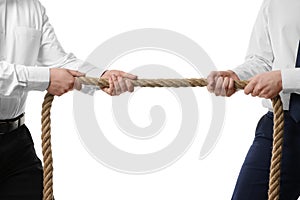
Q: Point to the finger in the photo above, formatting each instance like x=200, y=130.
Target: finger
x=129, y=76
x=249, y=88
x=76, y=73
x=110, y=89
x=267, y=93
x=231, y=89
x=124, y=74
x=211, y=82
x=117, y=87
x=106, y=90
x=264, y=94
x=218, y=87
x=225, y=86
x=211, y=86
x=256, y=91
x=122, y=84
x=129, y=85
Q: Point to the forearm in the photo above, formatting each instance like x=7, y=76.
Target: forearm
x=252, y=66
x=13, y=77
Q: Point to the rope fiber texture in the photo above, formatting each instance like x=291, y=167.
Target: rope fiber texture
x=274, y=183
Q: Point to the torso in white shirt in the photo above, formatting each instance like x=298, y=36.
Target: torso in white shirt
x=20, y=37
x=274, y=46
x=28, y=48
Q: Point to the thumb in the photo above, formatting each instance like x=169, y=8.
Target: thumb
x=129, y=76
x=76, y=73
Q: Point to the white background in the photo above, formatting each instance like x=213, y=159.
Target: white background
x=222, y=29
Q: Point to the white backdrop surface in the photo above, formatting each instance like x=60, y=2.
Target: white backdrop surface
x=222, y=29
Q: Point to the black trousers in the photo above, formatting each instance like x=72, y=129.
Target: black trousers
x=253, y=180
x=21, y=173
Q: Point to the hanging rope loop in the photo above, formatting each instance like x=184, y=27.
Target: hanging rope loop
x=274, y=182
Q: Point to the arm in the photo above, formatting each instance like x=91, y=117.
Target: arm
x=260, y=55
x=13, y=76
x=259, y=58
x=52, y=55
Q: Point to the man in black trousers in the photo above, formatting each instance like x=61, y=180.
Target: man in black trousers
x=31, y=58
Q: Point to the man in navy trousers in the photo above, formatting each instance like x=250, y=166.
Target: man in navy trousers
x=271, y=66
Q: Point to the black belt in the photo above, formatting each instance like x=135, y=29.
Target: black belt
x=9, y=125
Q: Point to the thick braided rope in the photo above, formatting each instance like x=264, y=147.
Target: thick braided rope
x=274, y=182
x=46, y=148
x=274, y=185
x=175, y=83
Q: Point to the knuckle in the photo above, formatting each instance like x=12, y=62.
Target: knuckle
x=218, y=73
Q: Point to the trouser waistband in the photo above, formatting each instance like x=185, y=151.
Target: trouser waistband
x=9, y=125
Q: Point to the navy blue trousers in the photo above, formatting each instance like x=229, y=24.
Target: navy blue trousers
x=252, y=183
x=21, y=173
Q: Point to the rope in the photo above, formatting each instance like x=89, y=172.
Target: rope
x=176, y=83
x=274, y=182
x=46, y=148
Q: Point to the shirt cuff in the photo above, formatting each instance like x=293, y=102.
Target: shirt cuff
x=38, y=78
x=290, y=80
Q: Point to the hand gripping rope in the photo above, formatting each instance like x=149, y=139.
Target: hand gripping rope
x=274, y=182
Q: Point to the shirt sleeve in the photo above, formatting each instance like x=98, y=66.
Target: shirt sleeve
x=260, y=55
x=14, y=76
x=51, y=53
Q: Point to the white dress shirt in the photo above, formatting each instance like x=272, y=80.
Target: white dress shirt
x=28, y=48
x=274, y=46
